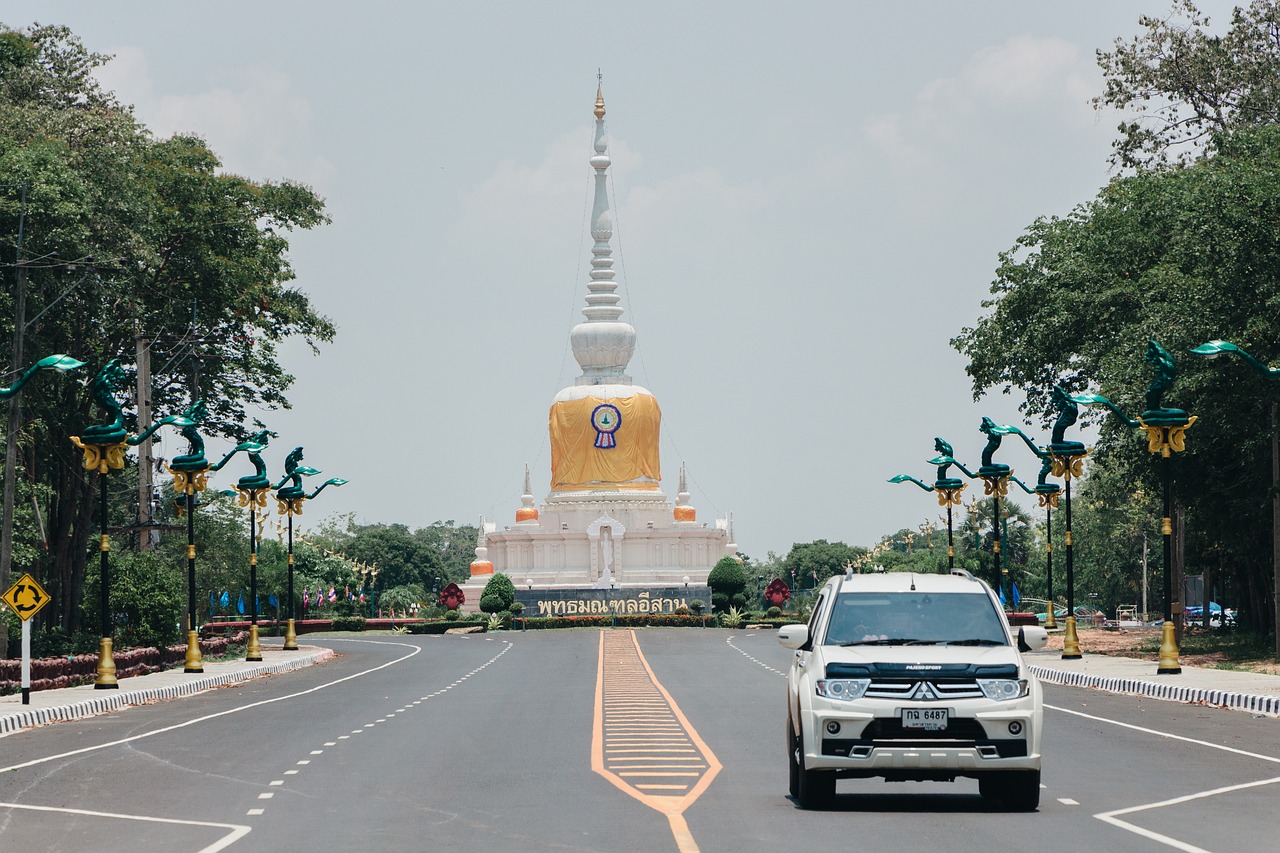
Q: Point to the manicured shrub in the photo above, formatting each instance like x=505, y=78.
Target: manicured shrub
x=501, y=586
x=727, y=578
x=452, y=615
x=773, y=612
x=697, y=606
x=348, y=623
x=491, y=604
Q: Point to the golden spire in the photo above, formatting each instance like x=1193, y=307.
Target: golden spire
x=599, y=98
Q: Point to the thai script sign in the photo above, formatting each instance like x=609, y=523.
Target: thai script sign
x=605, y=602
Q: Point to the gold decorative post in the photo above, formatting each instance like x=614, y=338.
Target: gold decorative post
x=1068, y=466
x=1167, y=435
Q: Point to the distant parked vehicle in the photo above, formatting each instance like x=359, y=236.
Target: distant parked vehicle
x=1218, y=615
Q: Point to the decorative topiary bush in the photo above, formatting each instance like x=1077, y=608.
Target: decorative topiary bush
x=774, y=612
x=452, y=615
x=728, y=582
x=697, y=606
x=500, y=586
x=491, y=604
x=516, y=608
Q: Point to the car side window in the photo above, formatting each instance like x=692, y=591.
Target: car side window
x=815, y=619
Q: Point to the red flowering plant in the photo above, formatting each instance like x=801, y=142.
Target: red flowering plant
x=777, y=592
x=452, y=597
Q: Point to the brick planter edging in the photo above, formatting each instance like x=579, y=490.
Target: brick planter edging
x=1170, y=692
x=116, y=700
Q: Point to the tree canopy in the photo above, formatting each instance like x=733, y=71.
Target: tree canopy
x=1182, y=86
x=1182, y=251
x=127, y=236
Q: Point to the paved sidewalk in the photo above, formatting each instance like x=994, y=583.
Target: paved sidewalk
x=1241, y=691
x=74, y=703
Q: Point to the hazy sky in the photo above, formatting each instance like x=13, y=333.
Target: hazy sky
x=809, y=202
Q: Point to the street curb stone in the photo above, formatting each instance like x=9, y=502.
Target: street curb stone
x=115, y=700
x=1269, y=705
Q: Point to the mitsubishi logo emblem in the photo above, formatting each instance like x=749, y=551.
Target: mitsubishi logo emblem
x=924, y=692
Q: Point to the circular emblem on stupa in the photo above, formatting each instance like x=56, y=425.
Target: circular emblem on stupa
x=606, y=419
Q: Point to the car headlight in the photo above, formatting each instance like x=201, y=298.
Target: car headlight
x=847, y=689
x=1002, y=689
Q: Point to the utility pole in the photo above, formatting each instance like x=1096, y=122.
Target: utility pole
x=146, y=513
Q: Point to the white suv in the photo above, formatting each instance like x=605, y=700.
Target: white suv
x=912, y=677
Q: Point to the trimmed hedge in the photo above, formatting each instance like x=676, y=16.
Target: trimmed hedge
x=441, y=627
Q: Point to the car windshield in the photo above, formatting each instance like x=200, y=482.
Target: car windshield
x=914, y=618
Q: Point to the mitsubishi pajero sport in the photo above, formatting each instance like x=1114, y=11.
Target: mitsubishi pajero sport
x=912, y=677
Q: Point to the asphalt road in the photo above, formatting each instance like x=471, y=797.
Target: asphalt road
x=486, y=742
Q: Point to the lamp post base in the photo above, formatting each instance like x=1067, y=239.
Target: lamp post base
x=1070, y=642
x=1050, y=624
x=106, y=679
x=254, y=651
x=195, y=660
x=290, y=638
x=1169, y=664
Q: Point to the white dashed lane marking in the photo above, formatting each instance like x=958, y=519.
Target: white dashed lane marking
x=408, y=707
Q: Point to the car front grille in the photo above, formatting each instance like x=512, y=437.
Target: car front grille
x=932, y=690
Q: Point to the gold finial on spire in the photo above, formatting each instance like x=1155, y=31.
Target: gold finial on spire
x=599, y=95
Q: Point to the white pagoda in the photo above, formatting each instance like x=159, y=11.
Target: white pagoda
x=605, y=522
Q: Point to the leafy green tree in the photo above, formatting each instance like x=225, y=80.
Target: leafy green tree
x=498, y=594
x=127, y=234
x=146, y=600
x=728, y=581
x=1181, y=255
x=811, y=563
x=1183, y=87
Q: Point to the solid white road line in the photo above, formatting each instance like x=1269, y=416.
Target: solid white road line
x=237, y=831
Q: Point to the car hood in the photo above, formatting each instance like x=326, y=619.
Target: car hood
x=921, y=660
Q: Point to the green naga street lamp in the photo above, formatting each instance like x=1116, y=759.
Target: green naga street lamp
x=104, y=446
x=995, y=483
x=1213, y=349
x=947, y=488
x=289, y=500
x=1066, y=460
x=190, y=475
x=1166, y=434
x=253, y=494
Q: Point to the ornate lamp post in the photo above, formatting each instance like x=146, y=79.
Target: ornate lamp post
x=1166, y=434
x=190, y=475
x=289, y=500
x=995, y=482
x=1213, y=349
x=253, y=494
x=947, y=488
x=104, y=446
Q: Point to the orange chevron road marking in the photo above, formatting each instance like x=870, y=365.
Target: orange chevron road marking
x=641, y=734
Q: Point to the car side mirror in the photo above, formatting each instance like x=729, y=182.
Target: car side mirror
x=793, y=636
x=1032, y=639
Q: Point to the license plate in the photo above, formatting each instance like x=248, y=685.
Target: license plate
x=929, y=719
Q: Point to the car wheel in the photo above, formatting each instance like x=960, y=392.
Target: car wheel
x=1016, y=790
x=815, y=789
x=793, y=762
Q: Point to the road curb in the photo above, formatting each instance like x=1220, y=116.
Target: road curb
x=115, y=700
x=1269, y=705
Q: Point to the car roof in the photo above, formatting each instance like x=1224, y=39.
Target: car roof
x=904, y=581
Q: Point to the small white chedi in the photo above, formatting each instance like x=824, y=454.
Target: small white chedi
x=605, y=522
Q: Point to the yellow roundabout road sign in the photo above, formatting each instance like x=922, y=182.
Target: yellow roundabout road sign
x=25, y=597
